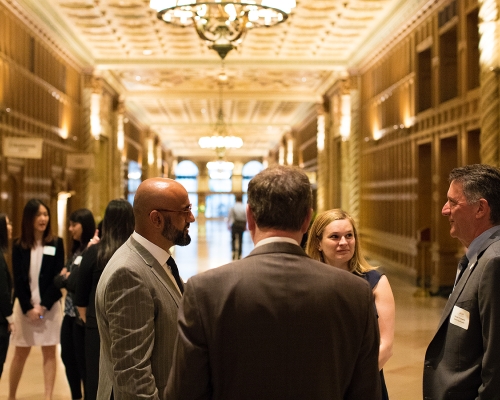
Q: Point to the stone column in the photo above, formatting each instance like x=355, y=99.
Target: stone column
x=323, y=176
x=353, y=168
x=92, y=85
x=120, y=145
x=489, y=46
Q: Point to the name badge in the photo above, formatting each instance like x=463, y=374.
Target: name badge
x=460, y=317
x=49, y=250
x=78, y=260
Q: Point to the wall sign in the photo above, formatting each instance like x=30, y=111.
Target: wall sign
x=80, y=161
x=18, y=147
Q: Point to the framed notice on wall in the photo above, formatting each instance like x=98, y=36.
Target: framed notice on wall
x=18, y=147
x=80, y=161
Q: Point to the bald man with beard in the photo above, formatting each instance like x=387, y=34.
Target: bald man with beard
x=138, y=296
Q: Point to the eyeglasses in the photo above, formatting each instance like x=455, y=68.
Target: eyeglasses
x=187, y=210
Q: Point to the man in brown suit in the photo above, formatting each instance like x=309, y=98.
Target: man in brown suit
x=276, y=324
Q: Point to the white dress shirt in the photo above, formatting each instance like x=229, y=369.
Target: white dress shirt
x=157, y=252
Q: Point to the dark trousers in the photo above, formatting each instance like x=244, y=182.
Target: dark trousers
x=237, y=230
x=92, y=349
x=385, y=394
x=73, y=355
x=4, y=343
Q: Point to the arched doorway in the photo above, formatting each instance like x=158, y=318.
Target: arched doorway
x=186, y=173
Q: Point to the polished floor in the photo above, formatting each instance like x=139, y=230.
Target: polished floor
x=416, y=320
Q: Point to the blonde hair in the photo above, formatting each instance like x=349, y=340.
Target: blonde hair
x=357, y=264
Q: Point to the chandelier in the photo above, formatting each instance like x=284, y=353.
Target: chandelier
x=223, y=23
x=220, y=169
x=220, y=141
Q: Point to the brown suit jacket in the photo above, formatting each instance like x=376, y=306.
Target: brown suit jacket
x=276, y=325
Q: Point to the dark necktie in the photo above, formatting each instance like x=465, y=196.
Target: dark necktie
x=175, y=272
x=464, y=261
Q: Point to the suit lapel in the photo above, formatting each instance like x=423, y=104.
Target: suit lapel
x=165, y=280
x=455, y=294
x=465, y=277
x=26, y=254
x=156, y=269
x=47, y=260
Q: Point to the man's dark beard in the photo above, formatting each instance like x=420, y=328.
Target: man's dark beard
x=175, y=235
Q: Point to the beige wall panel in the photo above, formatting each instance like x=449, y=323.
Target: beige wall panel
x=34, y=104
x=405, y=163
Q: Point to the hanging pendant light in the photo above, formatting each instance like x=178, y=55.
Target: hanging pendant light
x=223, y=23
x=220, y=141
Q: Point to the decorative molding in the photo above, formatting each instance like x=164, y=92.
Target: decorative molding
x=39, y=28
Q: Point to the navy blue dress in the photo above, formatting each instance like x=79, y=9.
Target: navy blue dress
x=372, y=277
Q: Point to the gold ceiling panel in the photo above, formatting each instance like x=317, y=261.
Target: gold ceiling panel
x=167, y=75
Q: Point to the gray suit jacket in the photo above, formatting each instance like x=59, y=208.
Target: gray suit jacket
x=463, y=362
x=276, y=325
x=136, y=310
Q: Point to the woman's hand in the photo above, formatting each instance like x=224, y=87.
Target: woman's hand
x=95, y=239
x=34, y=315
x=64, y=272
x=83, y=313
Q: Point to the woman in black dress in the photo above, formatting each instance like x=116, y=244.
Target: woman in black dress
x=82, y=229
x=6, y=317
x=118, y=225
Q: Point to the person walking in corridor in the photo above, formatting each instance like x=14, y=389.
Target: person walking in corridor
x=237, y=222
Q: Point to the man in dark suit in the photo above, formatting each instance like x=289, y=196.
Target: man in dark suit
x=462, y=361
x=138, y=295
x=276, y=324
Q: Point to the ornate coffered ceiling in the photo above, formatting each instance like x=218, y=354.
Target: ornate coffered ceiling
x=169, y=78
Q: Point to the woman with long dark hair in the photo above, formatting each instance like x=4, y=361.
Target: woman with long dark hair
x=81, y=228
x=37, y=258
x=6, y=317
x=118, y=225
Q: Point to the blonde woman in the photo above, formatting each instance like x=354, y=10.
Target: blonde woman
x=333, y=239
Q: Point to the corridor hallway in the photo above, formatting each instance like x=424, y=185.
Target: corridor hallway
x=416, y=320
